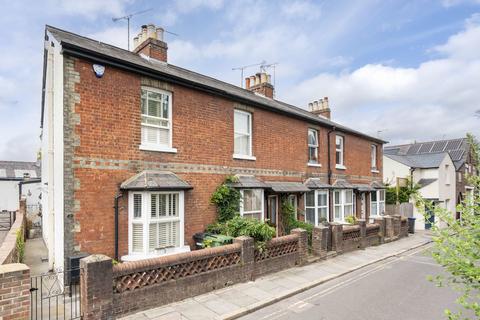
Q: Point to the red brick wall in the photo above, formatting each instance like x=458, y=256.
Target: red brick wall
x=109, y=128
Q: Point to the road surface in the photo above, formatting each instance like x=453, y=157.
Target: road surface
x=395, y=288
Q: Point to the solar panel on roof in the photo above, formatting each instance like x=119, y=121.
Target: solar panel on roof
x=456, y=154
x=439, y=146
x=454, y=144
x=426, y=147
x=414, y=148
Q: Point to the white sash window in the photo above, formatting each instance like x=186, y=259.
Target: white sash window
x=252, y=204
x=156, y=119
x=156, y=222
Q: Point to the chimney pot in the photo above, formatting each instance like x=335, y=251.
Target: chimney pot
x=247, y=82
x=263, y=77
x=150, y=43
x=320, y=108
x=160, y=32
x=260, y=83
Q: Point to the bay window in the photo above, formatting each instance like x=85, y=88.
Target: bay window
x=342, y=204
x=156, y=120
x=156, y=223
x=316, y=207
x=251, y=205
x=312, y=146
x=242, y=123
x=377, y=203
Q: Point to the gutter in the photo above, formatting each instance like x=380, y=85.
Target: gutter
x=80, y=52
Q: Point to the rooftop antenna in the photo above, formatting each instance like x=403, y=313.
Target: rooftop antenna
x=263, y=68
x=245, y=67
x=128, y=17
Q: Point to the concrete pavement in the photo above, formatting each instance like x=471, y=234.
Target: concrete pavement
x=241, y=299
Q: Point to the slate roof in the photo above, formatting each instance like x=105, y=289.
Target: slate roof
x=343, y=184
x=378, y=185
x=425, y=182
x=457, y=148
x=424, y=161
x=80, y=46
x=288, y=187
x=316, y=183
x=155, y=180
x=363, y=187
x=246, y=181
x=13, y=170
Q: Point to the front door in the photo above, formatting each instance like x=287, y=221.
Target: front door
x=430, y=219
x=272, y=210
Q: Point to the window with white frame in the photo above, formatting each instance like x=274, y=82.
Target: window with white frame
x=156, y=221
x=251, y=205
x=339, y=150
x=156, y=119
x=381, y=202
x=242, y=123
x=312, y=146
x=373, y=157
x=373, y=204
x=316, y=207
x=377, y=203
x=342, y=204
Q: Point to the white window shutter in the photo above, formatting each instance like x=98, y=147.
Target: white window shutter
x=137, y=237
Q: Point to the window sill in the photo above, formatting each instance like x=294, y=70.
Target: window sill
x=375, y=171
x=340, y=167
x=318, y=165
x=244, y=157
x=147, y=147
x=141, y=256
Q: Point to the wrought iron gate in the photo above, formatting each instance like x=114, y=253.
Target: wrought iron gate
x=55, y=295
x=7, y=218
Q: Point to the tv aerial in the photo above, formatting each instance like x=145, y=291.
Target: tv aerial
x=128, y=17
x=264, y=66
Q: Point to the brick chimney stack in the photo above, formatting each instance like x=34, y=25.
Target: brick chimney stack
x=150, y=43
x=261, y=84
x=320, y=108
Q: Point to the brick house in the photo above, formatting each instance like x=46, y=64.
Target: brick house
x=134, y=147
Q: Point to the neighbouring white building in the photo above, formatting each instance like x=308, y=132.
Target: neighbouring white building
x=434, y=172
x=18, y=178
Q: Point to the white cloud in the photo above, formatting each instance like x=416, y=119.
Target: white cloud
x=437, y=98
x=301, y=9
x=89, y=8
x=116, y=36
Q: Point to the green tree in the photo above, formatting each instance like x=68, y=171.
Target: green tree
x=457, y=247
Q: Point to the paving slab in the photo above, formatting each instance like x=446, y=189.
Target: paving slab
x=241, y=299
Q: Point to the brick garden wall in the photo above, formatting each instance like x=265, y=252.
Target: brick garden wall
x=110, y=291
x=14, y=291
x=102, y=138
x=8, y=248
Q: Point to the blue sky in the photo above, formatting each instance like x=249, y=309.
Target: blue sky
x=409, y=69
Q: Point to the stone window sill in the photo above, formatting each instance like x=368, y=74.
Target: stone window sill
x=147, y=147
x=340, y=167
x=244, y=157
x=318, y=165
